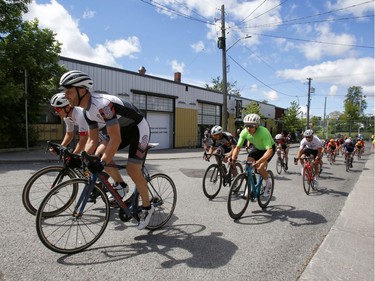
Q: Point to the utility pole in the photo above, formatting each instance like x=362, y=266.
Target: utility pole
x=26, y=113
x=308, y=105
x=224, y=66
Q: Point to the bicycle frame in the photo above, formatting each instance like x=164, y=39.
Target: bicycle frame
x=255, y=187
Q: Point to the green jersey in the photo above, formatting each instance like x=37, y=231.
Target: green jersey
x=262, y=139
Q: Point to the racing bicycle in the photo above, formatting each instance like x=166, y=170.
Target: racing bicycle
x=71, y=228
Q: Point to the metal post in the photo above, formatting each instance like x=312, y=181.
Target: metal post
x=26, y=120
x=308, y=105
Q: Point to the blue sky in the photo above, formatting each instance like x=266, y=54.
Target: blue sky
x=331, y=42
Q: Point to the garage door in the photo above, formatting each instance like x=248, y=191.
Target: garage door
x=161, y=128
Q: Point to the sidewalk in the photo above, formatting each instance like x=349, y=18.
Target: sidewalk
x=347, y=252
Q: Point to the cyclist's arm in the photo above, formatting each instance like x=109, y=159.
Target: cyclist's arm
x=81, y=143
x=67, y=138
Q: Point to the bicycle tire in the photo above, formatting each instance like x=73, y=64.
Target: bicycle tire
x=39, y=184
x=237, y=201
x=163, y=195
x=264, y=201
x=239, y=169
x=347, y=165
x=64, y=232
x=212, y=181
x=305, y=180
x=279, y=166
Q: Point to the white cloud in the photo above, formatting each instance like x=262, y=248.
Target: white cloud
x=356, y=10
x=271, y=95
x=342, y=72
x=333, y=90
x=76, y=44
x=198, y=47
x=88, y=14
x=177, y=66
x=253, y=88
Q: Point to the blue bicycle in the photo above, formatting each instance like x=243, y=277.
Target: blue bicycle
x=249, y=186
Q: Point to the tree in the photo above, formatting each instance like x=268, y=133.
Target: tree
x=26, y=49
x=217, y=85
x=11, y=12
x=292, y=123
x=252, y=107
x=354, y=104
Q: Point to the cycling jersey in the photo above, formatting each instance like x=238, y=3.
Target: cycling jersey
x=315, y=143
x=77, y=119
x=349, y=147
x=109, y=110
x=262, y=139
x=226, y=141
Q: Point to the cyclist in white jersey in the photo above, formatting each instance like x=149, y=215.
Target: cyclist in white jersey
x=125, y=125
x=310, y=145
x=72, y=117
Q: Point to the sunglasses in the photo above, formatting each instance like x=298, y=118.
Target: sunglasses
x=58, y=109
x=309, y=137
x=250, y=126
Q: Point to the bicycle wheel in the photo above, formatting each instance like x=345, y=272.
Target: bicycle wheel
x=239, y=169
x=37, y=187
x=65, y=232
x=279, y=166
x=239, y=198
x=305, y=180
x=263, y=201
x=347, y=164
x=212, y=181
x=163, y=195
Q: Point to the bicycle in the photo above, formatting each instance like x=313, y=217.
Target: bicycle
x=217, y=175
x=73, y=228
x=247, y=186
x=348, y=160
x=39, y=184
x=308, y=174
x=281, y=160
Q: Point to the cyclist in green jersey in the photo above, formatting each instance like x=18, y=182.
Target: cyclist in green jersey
x=262, y=146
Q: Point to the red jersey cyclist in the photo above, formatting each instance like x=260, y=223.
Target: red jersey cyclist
x=282, y=144
x=332, y=148
x=262, y=147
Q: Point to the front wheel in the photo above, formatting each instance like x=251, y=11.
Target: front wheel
x=279, y=166
x=265, y=195
x=212, y=181
x=239, y=196
x=163, y=195
x=66, y=232
x=39, y=184
x=306, y=181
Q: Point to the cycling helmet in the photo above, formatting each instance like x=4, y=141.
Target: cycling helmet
x=331, y=140
x=252, y=119
x=278, y=137
x=348, y=140
x=308, y=133
x=76, y=78
x=59, y=100
x=216, y=130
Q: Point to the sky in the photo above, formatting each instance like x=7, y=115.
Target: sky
x=273, y=46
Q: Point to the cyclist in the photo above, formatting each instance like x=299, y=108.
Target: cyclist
x=332, y=148
x=360, y=146
x=224, y=144
x=348, y=148
x=281, y=142
x=262, y=147
x=125, y=125
x=72, y=117
x=310, y=145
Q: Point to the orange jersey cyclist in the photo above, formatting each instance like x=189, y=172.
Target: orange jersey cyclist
x=262, y=146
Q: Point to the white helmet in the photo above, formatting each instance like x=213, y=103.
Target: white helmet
x=308, y=133
x=278, y=136
x=216, y=130
x=76, y=78
x=348, y=140
x=59, y=100
x=252, y=119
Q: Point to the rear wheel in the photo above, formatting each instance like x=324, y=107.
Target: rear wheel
x=163, y=195
x=265, y=198
x=212, y=181
x=67, y=232
x=239, y=196
x=279, y=166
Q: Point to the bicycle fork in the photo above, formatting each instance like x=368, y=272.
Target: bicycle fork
x=84, y=197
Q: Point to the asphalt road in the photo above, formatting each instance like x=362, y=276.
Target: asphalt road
x=200, y=243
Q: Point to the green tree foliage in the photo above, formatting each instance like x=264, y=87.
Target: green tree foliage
x=292, y=123
x=252, y=107
x=217, y=85
x=26, y=49
x=10, y=15
x=354, y=103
